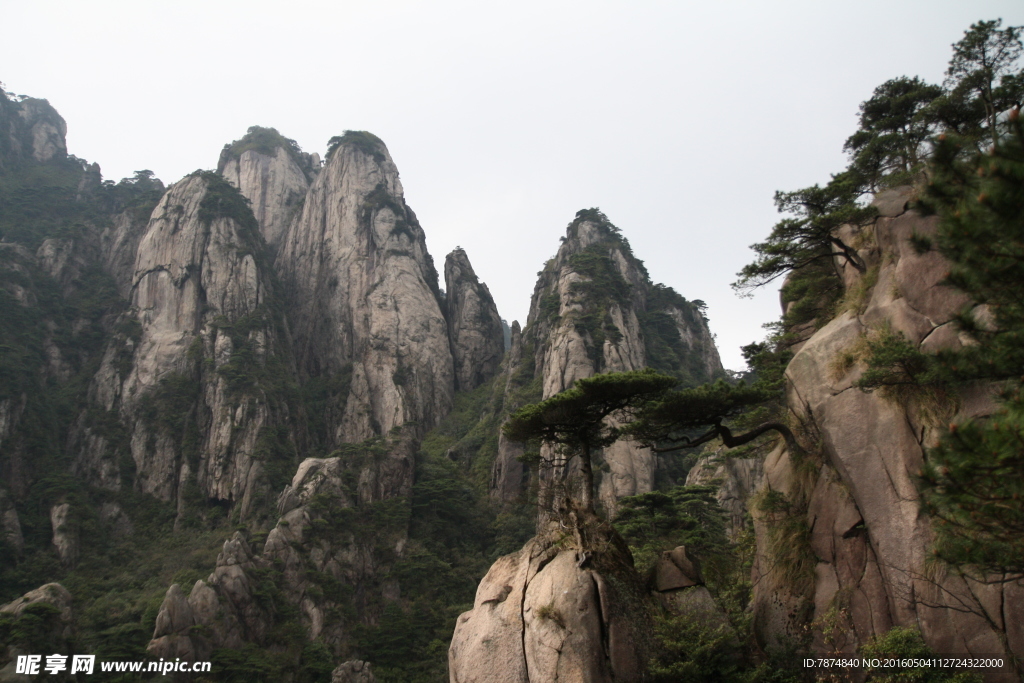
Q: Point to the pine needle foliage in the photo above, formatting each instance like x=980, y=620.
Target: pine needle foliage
x=972, y=482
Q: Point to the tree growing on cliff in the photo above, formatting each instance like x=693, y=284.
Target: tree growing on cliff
x=575, y=421
x=895, y=125
x=891, y=145
x=982, y=80
x=973, y=482
x=692, y=417
x=808, y=235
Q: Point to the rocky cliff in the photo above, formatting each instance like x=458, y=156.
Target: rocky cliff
x=31, y=129
x=266, y=348
x=273, y=174
x=594, y=309
x=862, y=565
x=192, y=370
x=477, y=336
x=363, y=297
x=325, y=561
x=557, y=610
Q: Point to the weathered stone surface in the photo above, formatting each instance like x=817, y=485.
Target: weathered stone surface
x=567, y=345
x=474, y=326
x=675, y=569
x=50, y=593
x=275, y=185
x=196, y=273
x=32, y=130
x=175, y=613
x=541, y=615
x=893, y=202
x=737, y=479
x=867, y=531
x=508, y=475
x=306, y=553
x=353, y=671
x=119, y=246
x=65, y=534
x=365, y=298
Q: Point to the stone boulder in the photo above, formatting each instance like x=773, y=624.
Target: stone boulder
x=866, y=566
x=675, y=569
x=552, y=612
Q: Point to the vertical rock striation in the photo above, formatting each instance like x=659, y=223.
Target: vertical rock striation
x=856, y=492
x=552, y=612
x=191, y=369
x=273, y=174
x=364, y=299
x=477, y=336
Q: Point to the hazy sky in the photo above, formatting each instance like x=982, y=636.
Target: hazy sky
x=678, y=119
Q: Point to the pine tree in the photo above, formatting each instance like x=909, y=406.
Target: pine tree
x=973, y=481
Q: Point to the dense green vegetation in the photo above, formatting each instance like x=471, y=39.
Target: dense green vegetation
x=972, y=480
x=573, y=421
x=963, y=144
x=454, y=534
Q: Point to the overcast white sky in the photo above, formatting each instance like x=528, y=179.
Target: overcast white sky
x=678, y=119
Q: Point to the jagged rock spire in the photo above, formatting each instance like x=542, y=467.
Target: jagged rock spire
x=477, y=337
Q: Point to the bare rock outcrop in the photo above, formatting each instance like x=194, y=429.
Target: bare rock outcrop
x=273, y=174
x=313, y=546
x=30, y=130
x=65, y=533
x=51, y=593
x=364, y=297
x=353, y=671
x=188, y=369
x=477, y=336
x=550, y=612
x=736, y=478
x=857, y=493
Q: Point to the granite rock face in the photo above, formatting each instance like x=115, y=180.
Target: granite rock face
x=548, y=613
x=30, y=129
x=363, y=297
x=737, y=480
x=274, y=177
x=868, y=534
x=595, y=310
x=65, y=536
x=196, y=349
x=477, y=337
x=314, y=545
